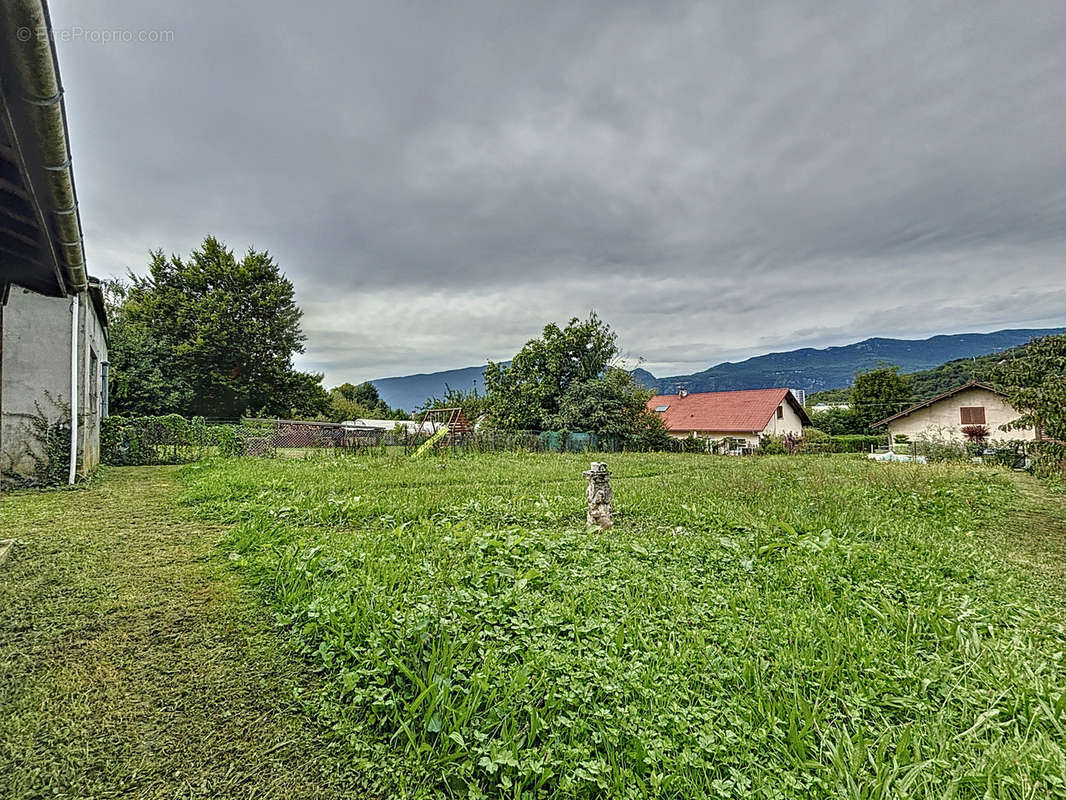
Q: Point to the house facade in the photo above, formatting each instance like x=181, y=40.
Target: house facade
x=44, y=380
x=951, y=415
x=739, y=418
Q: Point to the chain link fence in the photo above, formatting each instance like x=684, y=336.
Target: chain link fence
x=176, y=440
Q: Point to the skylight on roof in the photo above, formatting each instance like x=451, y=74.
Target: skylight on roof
x=661, y=409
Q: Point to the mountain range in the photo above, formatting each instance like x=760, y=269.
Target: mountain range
x=810, y=369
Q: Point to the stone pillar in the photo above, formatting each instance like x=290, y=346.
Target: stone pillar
x=599, y=495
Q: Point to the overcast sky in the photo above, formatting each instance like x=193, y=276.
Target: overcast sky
x=717, y=179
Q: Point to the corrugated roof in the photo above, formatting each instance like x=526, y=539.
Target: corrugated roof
x=745, y=411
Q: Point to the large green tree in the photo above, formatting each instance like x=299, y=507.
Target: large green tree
x=138, y=384
x=879, y=393
x=526, y=394
x=612, y=404
x=1034, y=378
x=565, y=381
x=220, y=332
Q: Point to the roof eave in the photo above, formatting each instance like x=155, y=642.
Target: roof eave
x=943, y=396
x=35, y=115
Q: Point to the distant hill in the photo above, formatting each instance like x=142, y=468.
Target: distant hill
x=810, y=369
x=835, y=367
x=411, y=391
x=929, y=383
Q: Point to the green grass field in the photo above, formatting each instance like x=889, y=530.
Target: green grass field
x=761, y=627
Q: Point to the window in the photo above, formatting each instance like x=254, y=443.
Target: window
x=661, y=409
x=780, y=412
x=972, y=415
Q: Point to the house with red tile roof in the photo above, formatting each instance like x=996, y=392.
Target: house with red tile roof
x=740, y=417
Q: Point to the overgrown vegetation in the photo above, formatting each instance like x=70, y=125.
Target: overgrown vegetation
x=46, y=445
x=349, y=402
x=875, y=394
x=767, y=627
x=1035, y=382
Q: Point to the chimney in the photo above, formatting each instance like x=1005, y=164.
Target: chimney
x=682, y=392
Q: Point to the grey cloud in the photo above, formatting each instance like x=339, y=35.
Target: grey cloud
x=770, y=175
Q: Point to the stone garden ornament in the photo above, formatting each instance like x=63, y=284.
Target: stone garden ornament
x=599, y=495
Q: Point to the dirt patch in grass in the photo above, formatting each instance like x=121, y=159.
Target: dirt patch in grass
x=134, y=664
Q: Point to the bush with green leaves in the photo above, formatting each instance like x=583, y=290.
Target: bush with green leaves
x=855, y=443
x=167, y=439
x=771, y=446
x=1034, y=378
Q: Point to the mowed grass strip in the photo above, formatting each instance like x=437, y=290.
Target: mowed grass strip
x=133, y=664
x=767, y=627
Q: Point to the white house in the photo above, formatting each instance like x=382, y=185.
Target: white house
x=741, y=416
x=959, y=415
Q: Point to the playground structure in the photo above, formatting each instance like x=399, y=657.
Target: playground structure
x=452, y=421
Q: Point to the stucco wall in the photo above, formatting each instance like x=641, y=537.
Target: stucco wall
x=36, y=375
x=942, y=420
x=790, y=423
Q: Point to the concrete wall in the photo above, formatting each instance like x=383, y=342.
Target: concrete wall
x=36, y=375
x=943, y=419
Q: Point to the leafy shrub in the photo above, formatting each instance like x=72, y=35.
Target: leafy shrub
x=814, y=440
x=771, y=446
x=692, y=444
x=168, y=439
x=228, y=440
x=855, y=443
x=976, y=433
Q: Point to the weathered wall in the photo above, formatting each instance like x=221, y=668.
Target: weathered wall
x=942, y=420
x=92, y=354
x=36, y=374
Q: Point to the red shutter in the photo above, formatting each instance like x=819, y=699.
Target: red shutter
x=972, y=415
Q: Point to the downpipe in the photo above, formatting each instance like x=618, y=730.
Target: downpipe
x=75, y=307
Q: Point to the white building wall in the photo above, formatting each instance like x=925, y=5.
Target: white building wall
x=943, y=419
x=790, y=423
x=36, y=375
